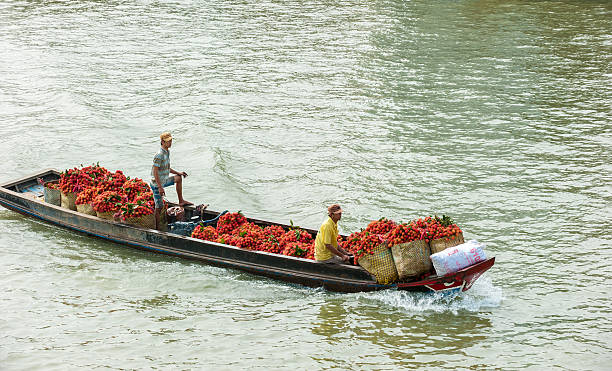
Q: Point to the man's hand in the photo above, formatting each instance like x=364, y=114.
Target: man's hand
x=162, y=192
x=345, y=258
x=184, y=174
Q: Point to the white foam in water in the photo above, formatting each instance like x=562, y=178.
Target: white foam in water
x=482, y=295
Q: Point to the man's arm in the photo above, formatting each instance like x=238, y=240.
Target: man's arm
x=339, y=251
x=343, y=251
x=182, y=173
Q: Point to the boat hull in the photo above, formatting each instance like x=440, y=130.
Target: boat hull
x=458, y=281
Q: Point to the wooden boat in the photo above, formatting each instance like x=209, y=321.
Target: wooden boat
x=24, y=196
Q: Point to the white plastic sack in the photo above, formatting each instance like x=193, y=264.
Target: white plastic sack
x=456, y=258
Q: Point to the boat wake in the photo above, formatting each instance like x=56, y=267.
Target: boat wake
x=481, y=296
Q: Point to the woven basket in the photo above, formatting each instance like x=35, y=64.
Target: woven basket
x=86, y=209
x=146, y=221
x=411, y=259
x=53, y=196
x=109, y=215
x=163, y=219
x=68, y=200
x=380, y=264
x=444, y=243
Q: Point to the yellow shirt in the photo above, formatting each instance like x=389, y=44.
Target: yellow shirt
x=328, y=234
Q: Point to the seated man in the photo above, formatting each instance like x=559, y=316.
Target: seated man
x=160, y=177
x=326, y=243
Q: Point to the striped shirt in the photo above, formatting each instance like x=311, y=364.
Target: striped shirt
x=162, y=162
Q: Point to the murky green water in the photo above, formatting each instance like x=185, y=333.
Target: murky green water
x=495, y=112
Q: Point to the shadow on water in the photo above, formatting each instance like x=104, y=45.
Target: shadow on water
x=159, y=301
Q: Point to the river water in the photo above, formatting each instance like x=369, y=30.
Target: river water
x=497, y=113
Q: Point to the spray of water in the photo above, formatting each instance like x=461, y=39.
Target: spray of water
x=483, y=295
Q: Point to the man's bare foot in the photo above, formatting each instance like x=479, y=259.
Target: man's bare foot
x=185, y=203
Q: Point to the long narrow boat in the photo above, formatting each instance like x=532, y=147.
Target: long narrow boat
x=23, y=196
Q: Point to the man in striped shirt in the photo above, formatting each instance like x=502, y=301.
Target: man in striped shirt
x=160, y=177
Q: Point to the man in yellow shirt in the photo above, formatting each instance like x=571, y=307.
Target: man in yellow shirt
x=326, y=243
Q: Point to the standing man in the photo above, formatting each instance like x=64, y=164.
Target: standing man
x=326, y=243
x=160, y=177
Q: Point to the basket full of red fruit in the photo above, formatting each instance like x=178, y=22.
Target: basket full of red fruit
x=371, y=251
x=107, y=204
x=410, y=250
x=139, y=213
x=52, y=193
x=85, y=199
x=70, y=184
x=372, y=254
x=444, y=234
